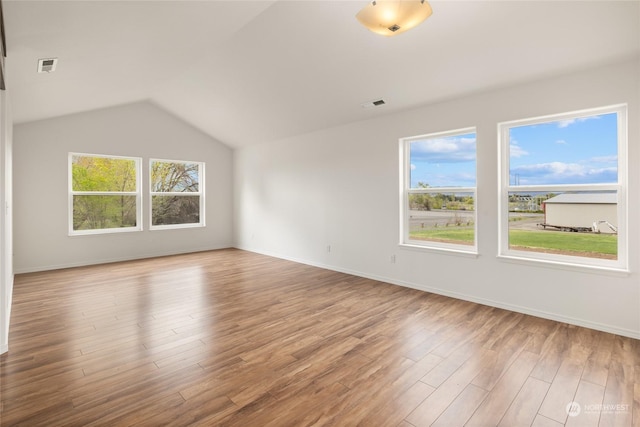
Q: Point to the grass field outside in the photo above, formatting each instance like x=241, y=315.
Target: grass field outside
x=458, y=235
x=591, y=245
x=576, y=244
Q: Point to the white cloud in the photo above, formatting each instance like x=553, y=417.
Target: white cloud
x=561, y=141
x=516, y=151
x=569, y=122
x=445, y=150
x=601, y=171
x=563, y=173
x=553, y=168
x=413, y=167
x=605, y=159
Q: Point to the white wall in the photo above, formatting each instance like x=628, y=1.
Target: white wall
x=339, y=187
x=40, y=163
x=6, y=250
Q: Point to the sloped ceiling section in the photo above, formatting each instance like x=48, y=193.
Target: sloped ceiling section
x=247, y=72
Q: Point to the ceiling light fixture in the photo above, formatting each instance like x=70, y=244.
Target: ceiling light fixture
x=391, y=17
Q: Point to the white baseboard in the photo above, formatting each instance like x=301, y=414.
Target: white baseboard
x=492, y=303
x=97, y=261
x=511, y=307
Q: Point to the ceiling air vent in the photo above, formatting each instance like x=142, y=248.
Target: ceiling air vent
x=47, y=65
x=376, y=103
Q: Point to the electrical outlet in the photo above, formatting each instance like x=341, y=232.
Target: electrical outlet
x=328, y=248
x=393, y=259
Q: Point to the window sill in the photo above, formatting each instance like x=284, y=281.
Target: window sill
x=456, y=251
x=562, y=265
x=104, y=231
x=175, y=226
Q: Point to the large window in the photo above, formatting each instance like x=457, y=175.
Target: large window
x=177, y=193
x=563, y=181
x=104, y=194
x=439, y=190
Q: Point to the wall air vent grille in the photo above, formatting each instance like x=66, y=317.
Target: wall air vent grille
x=375, y=103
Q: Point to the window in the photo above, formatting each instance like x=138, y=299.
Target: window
x=104, y=194
x=439, y=190
x=563, y=183
x=177, y=194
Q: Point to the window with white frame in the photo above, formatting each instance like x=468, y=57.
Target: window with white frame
x=177, y=193
x=438, y=207
x=563, y=188
x=104, y=194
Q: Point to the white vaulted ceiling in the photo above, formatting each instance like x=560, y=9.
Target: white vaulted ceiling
x=247, y=72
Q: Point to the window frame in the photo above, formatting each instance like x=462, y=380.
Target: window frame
x=200, y=193
x=620, y=187
x=406, y=190
x=72, y=193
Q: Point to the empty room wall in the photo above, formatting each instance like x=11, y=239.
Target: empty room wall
x=331, y=198
x=40, y=183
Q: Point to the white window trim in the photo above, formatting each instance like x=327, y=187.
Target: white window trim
x=200, y=193
x=505, y=187
x=405, y=190
x=137, y=193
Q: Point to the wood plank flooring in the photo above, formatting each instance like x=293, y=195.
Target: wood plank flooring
x=232, y=338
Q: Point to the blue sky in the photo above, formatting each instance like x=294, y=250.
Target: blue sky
x=444, y=162
x=576, y=151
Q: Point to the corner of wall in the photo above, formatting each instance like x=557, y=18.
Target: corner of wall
x=6, y=223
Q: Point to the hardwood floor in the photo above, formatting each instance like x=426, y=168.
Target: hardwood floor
x=232, y=338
